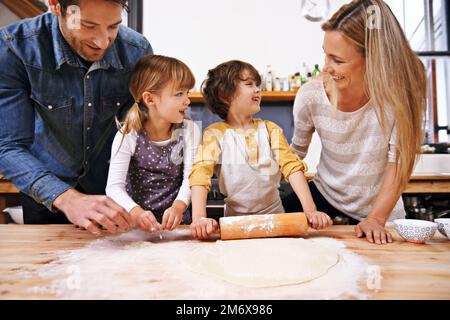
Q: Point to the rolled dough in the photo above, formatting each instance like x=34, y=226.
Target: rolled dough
x=265, y=262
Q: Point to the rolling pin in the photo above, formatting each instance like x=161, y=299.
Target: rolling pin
x=263, y=226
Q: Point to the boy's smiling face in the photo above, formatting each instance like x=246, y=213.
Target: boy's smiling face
x=247, y=99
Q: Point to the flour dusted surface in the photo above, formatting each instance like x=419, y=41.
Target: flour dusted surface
x=139, y=265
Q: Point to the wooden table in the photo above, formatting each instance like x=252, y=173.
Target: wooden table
x=417, y=184
x=409, y=271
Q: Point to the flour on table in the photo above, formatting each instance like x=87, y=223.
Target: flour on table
x=140, y=265
x=265, y=262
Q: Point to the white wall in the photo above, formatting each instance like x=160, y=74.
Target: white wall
x=204, y=33
x=6, y=16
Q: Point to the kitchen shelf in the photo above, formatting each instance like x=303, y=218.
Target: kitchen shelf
x=273, y=96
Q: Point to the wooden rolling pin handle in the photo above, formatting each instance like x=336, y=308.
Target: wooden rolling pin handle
x=264, y=226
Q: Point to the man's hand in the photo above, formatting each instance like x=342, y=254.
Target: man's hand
x=373, y=230
x=203, y=227
x=93, y=211
x=173, y=215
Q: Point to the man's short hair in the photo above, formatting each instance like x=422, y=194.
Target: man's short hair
x=66, y=3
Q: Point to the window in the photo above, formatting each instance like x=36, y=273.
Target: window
x=426, y=25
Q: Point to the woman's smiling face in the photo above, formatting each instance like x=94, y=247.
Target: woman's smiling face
x=343, y=62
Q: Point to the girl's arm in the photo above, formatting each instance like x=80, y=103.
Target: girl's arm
x=191, y=140
x=373, y=225
x=118, y=170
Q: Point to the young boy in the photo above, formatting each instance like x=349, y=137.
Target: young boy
x=248, y=155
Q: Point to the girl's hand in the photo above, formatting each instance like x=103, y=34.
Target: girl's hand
x=145, y=220
x=318, y=220
x=203, y=227
x=173, y=215
x=373, y=230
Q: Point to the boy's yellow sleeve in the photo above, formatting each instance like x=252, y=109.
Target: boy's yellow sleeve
x=287, y=159
x=207, y=156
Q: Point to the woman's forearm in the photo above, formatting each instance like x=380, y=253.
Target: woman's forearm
x=387, y=196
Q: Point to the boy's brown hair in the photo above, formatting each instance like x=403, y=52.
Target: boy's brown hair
x=220, y=85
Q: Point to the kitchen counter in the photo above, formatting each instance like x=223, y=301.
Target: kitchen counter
x=409, y=271
x=421, y=183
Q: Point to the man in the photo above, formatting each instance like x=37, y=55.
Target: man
x=63, y=80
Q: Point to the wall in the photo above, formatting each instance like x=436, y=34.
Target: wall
x=204, y=33
x=6, y=16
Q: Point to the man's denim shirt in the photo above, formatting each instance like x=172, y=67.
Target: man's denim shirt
x=57, y=118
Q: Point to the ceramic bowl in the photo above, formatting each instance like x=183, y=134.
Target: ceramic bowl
x=447, y=230
x=441, y=223
x=16, y=214
x=417, y=231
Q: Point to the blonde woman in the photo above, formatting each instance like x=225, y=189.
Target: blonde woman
x=368, y=110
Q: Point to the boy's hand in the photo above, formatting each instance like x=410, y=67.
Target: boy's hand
x=173, y=215
x=318, y=220
x=145, y=220
x=203, y=227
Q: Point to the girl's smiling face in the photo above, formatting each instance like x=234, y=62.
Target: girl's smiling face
x=169, y=104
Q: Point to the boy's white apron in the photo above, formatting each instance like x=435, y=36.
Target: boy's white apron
x=249, y=188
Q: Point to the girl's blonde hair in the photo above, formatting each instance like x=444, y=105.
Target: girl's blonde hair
x=395, y=77
x=151, y=74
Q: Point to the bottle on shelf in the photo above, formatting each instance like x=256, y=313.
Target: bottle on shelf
x=277, y=84
x=316, y=71
x=298, y=80
x=268, y=78
x=303, y=73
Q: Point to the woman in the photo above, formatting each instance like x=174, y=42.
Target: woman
x=368, y=109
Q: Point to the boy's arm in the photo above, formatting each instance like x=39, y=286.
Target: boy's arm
x=301, y=189
x=288, y=161
x=202, y=171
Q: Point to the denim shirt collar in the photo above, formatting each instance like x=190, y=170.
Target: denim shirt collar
x=64, y=54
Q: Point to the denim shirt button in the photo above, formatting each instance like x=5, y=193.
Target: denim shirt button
x=88, y=128
x=118, y=104
x=50, y=107
x=88, y=77
x=88, y=147
x=89, y=104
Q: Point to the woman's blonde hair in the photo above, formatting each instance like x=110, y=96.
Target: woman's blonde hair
x=151, y=74
x=395, y=77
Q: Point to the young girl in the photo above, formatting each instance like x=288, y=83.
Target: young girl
x=153, y=151
x=248, y=155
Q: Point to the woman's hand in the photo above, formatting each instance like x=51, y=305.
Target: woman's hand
x=373, y=230
x=318, y=220
x=145, y=220
x=173, y=215
x=203, y=227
